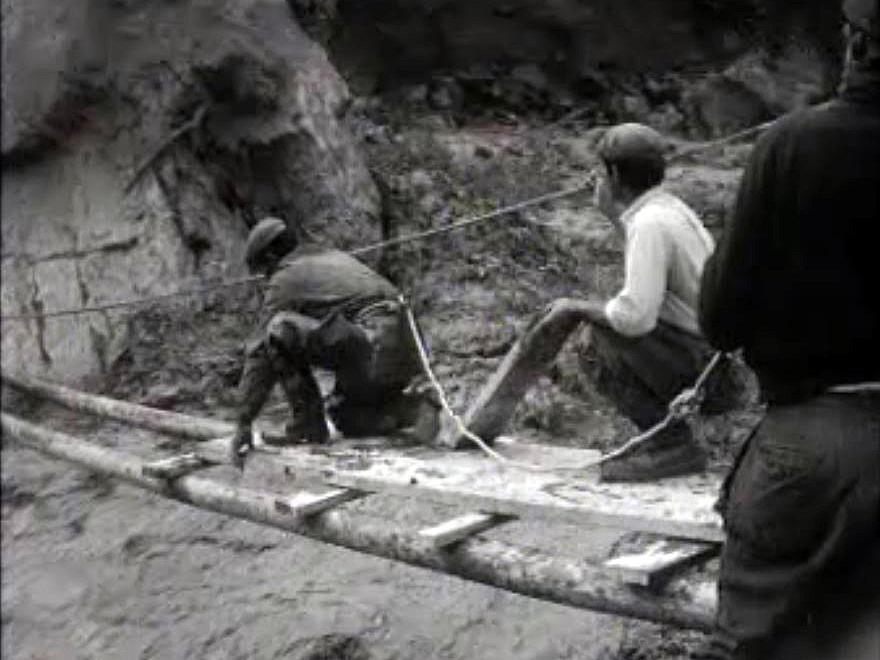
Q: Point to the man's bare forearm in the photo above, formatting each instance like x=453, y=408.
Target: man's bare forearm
x=588, y=310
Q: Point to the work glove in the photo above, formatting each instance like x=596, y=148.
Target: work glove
x=242, y=444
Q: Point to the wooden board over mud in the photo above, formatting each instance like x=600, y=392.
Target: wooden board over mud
x=679, y=507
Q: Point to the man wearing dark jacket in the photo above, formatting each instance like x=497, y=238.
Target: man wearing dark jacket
x=324, y=308
x=794, y=283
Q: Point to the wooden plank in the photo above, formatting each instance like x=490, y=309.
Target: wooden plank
x=305, y=503
x=163, y=421
x=460, y=528
x=529, y=572
x=651, y=564
x=679, y=507
x=527, y=360
x=176, y=466
x=583, y=512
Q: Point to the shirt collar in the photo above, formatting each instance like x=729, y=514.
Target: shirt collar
x=649, y=195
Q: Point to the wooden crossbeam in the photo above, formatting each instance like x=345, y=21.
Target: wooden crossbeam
x=306, y=504
x=617, y=507
x=460, y=528
x=655, y=561
x=175, y=466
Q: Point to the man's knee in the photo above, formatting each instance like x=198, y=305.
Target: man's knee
x=286, y=338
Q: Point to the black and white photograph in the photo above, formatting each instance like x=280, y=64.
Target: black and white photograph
x=440, y=330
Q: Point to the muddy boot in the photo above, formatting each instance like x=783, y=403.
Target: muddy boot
x=419, y=416
x=671, y=453
x=362, y=420
x=307, y=408
x=306, y=431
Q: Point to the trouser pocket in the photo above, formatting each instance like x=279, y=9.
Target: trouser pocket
x=782, y=496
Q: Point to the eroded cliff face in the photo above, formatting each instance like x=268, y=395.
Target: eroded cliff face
x=91, y=90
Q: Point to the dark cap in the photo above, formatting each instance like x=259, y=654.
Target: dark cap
x=631, y=141
x=262, y=236
x=863, y=14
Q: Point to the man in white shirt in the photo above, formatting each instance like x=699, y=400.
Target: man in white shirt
x=646, y=339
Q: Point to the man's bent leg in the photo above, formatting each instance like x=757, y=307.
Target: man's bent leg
x=641, y=376
x=529, y=358
x=287, y=340
x=380, y=361
x=342, y=346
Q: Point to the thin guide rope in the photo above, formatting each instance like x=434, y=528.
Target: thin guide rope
x=460, y=224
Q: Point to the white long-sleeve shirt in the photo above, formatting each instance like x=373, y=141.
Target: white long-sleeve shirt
x=666, y=248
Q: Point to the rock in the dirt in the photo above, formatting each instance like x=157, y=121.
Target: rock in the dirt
x=446, y=94
x=99, y=205
x=532, y=75
x=163, y=396
x=329, y=647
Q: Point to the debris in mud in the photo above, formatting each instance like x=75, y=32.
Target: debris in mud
x=329, y=647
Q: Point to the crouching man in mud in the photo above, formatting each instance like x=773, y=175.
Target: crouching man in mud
x=646, y=339
x=324, y=308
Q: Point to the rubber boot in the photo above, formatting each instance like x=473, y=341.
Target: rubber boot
x=673, y=452
x=419, y=415
x=362, y=420
x=307, y=409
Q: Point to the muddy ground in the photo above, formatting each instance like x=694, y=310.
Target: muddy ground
x=92, y=569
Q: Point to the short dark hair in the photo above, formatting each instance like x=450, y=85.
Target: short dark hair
x=639, y=172
x=283, y=243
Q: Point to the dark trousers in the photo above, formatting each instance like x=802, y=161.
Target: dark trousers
x=642, y=375
x=800, y=570
x=373, y=357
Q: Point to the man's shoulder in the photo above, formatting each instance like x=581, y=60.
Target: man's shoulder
x=313, y=255
x=310, y=261
x=802, y=122
x=662, y=208
x=669, y=219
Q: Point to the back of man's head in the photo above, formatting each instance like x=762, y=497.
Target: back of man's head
x=864, y=15
x=863, y=20
x=636, y=151
x=268, y=241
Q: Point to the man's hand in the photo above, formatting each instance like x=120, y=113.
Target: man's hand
x=687, y=403
x=242, y=443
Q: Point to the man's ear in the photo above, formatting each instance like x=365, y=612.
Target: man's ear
x=614, y=179
x=859, y=45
